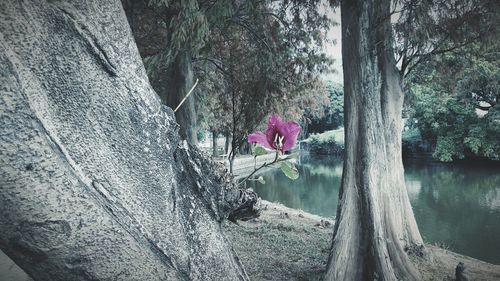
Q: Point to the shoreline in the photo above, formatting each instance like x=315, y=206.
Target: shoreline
x=291, y=244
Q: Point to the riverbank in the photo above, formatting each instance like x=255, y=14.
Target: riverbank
x=244, y=164
x=290, y=244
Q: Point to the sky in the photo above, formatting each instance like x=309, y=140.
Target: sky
x=334, y=50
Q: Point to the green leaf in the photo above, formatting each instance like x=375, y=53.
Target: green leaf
x=259, y=150
x=290, y=156
x=289, y=170
x=261, y=180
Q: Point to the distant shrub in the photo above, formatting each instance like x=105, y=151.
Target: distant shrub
x=413, y=145
x=411, y=136
x=329, y=142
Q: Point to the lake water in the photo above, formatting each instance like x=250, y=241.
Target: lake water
x=457, y=206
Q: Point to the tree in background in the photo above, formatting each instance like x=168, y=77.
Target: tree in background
x=168, y=33
x=448, y=54
x=213, y=108
x=452, y=102
x=424, y=29
x=375, y=235
x=268, y=55
x=331, y=116
x=268, y=52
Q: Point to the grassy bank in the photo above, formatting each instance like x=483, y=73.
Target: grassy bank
x=282, y=244
x=336, y=136
x=289, y=244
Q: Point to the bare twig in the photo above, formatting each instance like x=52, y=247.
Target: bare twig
x=189, y=93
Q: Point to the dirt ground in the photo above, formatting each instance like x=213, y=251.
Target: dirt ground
x=289, y=244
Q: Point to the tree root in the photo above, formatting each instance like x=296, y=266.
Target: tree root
x=247, y=206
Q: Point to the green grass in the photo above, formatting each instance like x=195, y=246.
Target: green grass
x=336, y=136
x=276, y=248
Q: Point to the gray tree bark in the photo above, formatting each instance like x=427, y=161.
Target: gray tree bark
x=227, y=142
x=95, y=183
x=375, y=232
x=172, y=78
x=214, y=144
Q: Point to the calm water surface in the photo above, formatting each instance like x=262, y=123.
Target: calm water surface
x=455, y=205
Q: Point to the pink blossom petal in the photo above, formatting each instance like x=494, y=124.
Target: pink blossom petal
x=291, y=133
x=274, y=120
x=259, y=138
x=282, y=128
x=272, y=127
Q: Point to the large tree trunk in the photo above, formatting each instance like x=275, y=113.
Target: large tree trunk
x=171, y=78
x=95, y=183
x=375, y=230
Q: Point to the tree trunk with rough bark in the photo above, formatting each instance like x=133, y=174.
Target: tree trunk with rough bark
x=230, y=157
x=95, y=183
x=375, y=232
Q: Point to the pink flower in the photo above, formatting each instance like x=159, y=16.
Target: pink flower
x=280, y=135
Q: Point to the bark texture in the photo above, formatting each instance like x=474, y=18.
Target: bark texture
x=171, y=78
x=95, y=183
x=214, y=144
x=375, y=230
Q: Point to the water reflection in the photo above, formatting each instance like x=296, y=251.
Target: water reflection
x=458, y=206
x=315, y=191
x=454, y=205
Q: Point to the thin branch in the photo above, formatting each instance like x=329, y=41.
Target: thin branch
x=216, y=64
x=438, y=51
x=254, y=33
x=189, y=93
x=274, y=15
x=264, y=165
